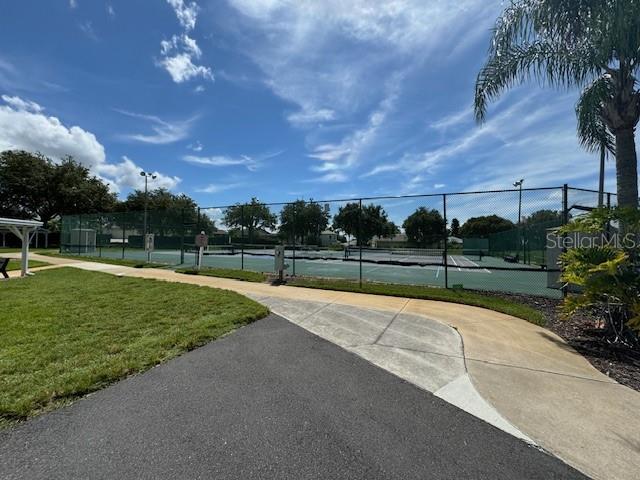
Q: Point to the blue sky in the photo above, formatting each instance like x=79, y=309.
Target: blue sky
x=229, y=99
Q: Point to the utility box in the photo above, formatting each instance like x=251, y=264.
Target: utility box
x=279, y=265
x=149, y=242
x=279, y=258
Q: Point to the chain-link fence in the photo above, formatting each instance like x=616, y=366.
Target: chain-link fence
x=493, y=240
x=121, y=235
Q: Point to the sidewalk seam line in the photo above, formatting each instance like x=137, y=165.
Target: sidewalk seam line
x=392, y=320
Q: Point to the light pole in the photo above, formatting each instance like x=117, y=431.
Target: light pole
x=519, y=184
x=522, y=240
x=146, y=176
x=603, y=154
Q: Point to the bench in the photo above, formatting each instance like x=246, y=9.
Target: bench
x=511, y=258
x=3, y=267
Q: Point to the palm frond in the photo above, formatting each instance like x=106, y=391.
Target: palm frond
x=559, y=42
x=547, y=62
x=592, y=130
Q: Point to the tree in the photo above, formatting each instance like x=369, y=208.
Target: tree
x=250, y=216
x=593, y=45
x=33, y=186
x=455, y=227
x=304, y=221
x=543, y=216
x=484, y=226
x=424, y=227
x=373, y=221
x=167, y=213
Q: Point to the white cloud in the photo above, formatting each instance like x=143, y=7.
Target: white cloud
x=35, y=132
x=508, y=124
x=196, y=147
x=111, y=11
x=250, y=162
x=126, y=174
x=25, y=127
x=181, y=68
x=454, y=119
x=346, y=154
x=306, y=117
x=73, y=4
x=217, y=188
x=215, y=214
x=163, y=132
x=332, y=177
x=177, y=59
x=223, y=161
x=334, y=56
x=87, y=28
x=187, y=13
x=21, y=105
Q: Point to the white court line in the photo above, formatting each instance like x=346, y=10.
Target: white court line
x=454, y=262
x=438, y=272
x=475, y=264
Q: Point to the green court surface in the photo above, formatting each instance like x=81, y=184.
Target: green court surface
x=490, y=273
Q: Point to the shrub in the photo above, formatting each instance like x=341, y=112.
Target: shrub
x=605, y=274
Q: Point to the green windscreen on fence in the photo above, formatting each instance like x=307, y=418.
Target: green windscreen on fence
x=121, y=235
x=524, y=244
x=475, y=245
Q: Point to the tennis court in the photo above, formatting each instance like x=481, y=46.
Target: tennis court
x=509, y=227
x=403, y=266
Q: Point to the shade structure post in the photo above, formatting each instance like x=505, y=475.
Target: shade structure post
x=25, y=251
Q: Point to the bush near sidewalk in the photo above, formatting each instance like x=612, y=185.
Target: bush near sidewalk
x=607, y=271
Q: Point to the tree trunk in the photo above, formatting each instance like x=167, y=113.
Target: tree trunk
x=626, y=168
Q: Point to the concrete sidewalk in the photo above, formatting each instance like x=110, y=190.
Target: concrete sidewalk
x=271, y=400
x=532, y=379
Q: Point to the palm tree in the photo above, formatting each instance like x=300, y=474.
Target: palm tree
x=589, y=44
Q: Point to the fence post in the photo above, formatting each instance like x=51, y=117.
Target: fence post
x=182, y=237
x=124, y=237
x=80, y=235
x=99, y=239
x=446, y=246
x=295, y=220
x=360, y=238
x=565, y=220
x=242, y=237
x=197, y=233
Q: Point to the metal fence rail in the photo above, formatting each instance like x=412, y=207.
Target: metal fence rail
x=495, y=240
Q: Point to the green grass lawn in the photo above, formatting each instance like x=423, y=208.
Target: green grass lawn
x=427, y=293
x=66, y=332
x=125, y=262
x=244, y=275
x=14, y=264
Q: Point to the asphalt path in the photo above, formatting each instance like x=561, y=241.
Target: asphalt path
x=271, y=400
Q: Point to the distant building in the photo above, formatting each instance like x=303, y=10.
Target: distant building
x=397, y=240
x=328, y=238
